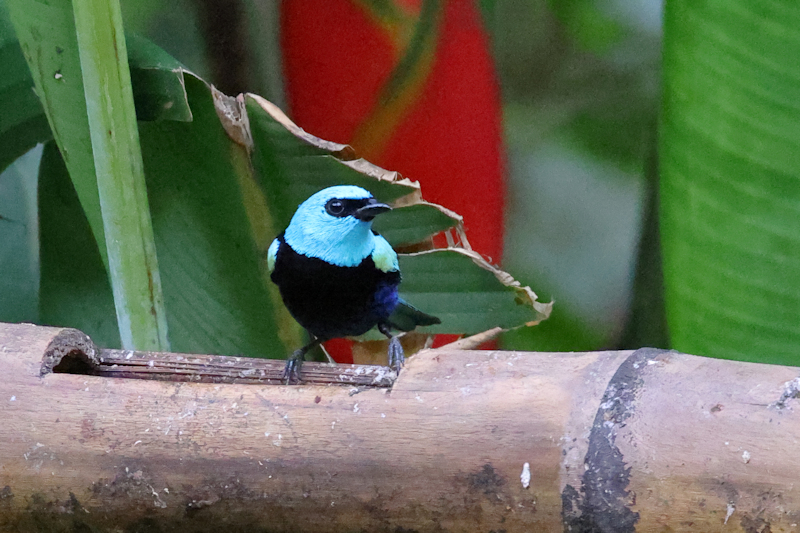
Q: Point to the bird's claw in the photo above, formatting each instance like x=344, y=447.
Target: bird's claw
x=291, y=372
x=396, y=356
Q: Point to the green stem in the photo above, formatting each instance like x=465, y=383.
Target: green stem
x=133, y=267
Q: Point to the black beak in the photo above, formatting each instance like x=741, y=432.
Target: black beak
x=371, y=210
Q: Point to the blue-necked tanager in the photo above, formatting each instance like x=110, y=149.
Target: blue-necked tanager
x=337, y=276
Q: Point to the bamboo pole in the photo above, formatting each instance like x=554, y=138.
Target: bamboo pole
x=613, y=441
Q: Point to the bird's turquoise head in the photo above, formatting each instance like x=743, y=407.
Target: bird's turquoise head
x=335, y=225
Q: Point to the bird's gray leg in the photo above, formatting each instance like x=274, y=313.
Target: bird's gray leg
x=327, y=355
x=291, y=372
x=396, y=356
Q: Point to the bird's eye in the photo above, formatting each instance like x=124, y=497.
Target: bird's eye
x=335, y=207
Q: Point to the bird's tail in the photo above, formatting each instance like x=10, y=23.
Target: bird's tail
x=406, y=317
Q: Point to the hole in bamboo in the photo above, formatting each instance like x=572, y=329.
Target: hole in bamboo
x=75, y=362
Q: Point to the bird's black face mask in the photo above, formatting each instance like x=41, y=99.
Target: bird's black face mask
x=364, y=209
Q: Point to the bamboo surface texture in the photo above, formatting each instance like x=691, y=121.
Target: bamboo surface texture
x=649, y=440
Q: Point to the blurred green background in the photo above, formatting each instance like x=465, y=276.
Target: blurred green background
x=580, y=86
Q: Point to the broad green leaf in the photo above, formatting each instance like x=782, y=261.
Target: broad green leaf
x=405, y=226
x=46, y=33
x=730, y=178
x=215, y=291
x=19, y=235
x=158, y=83
x=467, y=293
x=563, y=331
x=22, y=120
x=74, y=289
x=217, y=298
x=291, y=164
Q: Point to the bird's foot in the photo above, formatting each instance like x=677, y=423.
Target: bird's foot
x=396, y=356
x=291, y=372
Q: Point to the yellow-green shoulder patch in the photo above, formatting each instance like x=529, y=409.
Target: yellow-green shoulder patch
x=384, y=257
x=272, y=253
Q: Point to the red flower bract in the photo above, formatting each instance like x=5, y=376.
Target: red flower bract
x=412, y=87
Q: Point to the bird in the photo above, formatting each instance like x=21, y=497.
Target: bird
x=337, y=276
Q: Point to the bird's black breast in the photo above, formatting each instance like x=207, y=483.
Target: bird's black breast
x=332, y=301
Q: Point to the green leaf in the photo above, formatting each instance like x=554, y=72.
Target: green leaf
x=158, y=84
x=730, y=168
x=563, y=331
x=74, y=289
x=46, y=33
x=22, y=120
x=201, y=194
x=468, y=294
x=406, y=226
x=19, y=235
